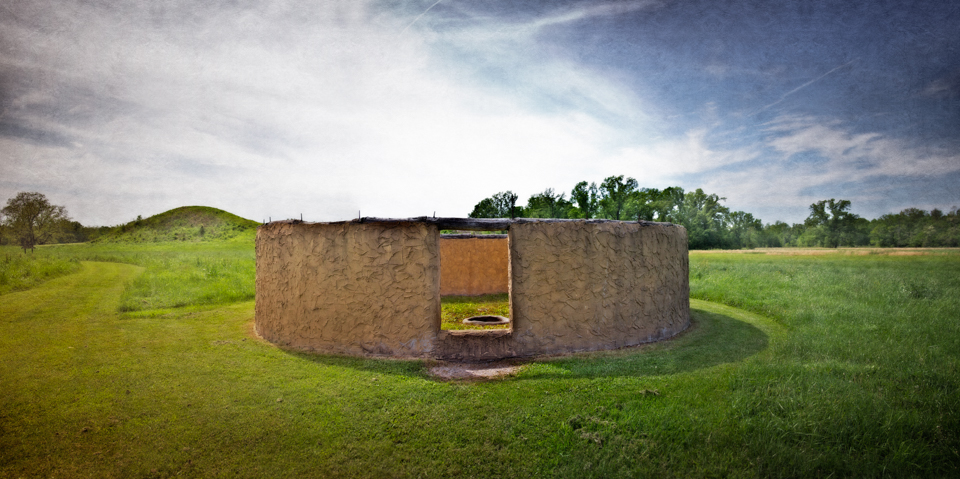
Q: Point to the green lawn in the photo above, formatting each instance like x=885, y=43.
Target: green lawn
x=454, y=309
x=176, y=274
x=20, y=271
x=832, y=365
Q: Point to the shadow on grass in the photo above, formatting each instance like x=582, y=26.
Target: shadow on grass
x=711, y=340
x=396, y=367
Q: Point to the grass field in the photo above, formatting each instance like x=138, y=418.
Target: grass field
x=175, y=274
x=19, y=271
x=454, y=309
x=797, y=365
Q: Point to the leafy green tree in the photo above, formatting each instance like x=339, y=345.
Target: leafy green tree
x=651, y=204
x=642, y=202
x=32, y=220
x=704, y=218
x=917, y=228
x=500, y=205
x=744, y=230
x=782, y=234
x=485, y=209
x=615, y=192
x=548, y=205
x=830, y=224
x=586, y=199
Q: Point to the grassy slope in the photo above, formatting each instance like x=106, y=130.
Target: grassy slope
x=176, y=274
x=187, y=223
x=183, y=266
x=856, y=373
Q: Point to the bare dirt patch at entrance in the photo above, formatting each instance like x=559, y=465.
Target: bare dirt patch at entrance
x=468, y=371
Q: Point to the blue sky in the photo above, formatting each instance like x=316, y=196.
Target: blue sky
x=406, y=108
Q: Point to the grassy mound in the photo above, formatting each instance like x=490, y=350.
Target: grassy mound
x=187, y=223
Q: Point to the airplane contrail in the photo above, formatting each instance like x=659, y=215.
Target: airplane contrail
x=801, y=87
x=418, y=16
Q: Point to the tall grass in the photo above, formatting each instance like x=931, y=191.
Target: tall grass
x=870, y=367
x=175, y=274
x=20, y=271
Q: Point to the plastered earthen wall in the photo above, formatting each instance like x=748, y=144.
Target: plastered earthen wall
x=473, y=266
x=359, y=289
x=373, y=288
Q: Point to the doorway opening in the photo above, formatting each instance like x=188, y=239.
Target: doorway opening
x=474, y=281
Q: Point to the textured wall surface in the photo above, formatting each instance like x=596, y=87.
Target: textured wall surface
x=472, y=266
x=588, y=286
x=361, y=289
x=374, y=288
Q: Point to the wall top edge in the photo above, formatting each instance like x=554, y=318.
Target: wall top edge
x=468, y=224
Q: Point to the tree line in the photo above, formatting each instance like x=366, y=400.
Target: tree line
x=29, y=219
x=711, y=225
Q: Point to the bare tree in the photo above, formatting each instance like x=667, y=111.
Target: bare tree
x=32, y=219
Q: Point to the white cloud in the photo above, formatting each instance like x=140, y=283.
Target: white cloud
x=349, y=115
x=858, y=156
x=584, y=12
x=327, y=108
x=780, y=186
x=662, y=162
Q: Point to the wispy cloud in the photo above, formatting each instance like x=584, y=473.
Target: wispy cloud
x=801, y=87
x=805, y=159
x=947, y=86
x=326, y=107
x=420, y=16
x=857, y=156
x=583, y=12
x=663, y=162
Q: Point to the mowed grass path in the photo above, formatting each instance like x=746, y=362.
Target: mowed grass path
x=849, y=369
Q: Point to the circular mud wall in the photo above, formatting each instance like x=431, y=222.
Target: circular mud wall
x=372, y=288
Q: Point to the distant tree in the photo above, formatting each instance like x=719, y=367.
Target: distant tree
x=500, y=205
x=485, y=209
x=32, y=220
x=669, y=204
x=782, y=234
x=704, y=218
x=548, y=205
x=643, y=202
x=651, y=204
x=73, y=232
x=586, y=199
x=744, y=230
x=915, y=227
x=830, y=224
x=614, y=194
